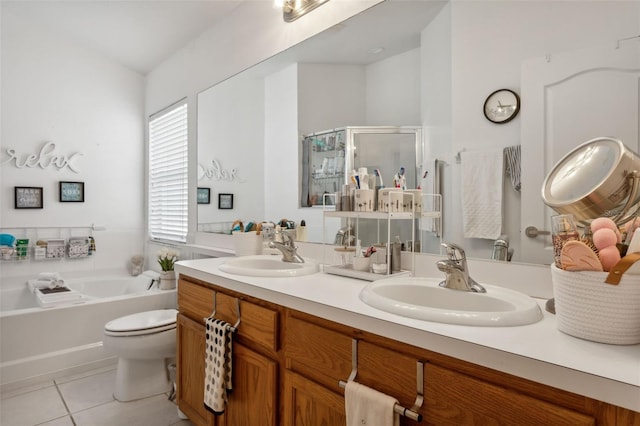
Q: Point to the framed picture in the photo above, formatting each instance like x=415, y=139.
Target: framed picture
x=225, y=201
x=204, y=195
x=28, y=197
x=72, y=192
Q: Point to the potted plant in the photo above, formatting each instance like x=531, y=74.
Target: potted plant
x=167, y=258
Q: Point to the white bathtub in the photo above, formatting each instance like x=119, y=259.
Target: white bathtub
x=39, y=343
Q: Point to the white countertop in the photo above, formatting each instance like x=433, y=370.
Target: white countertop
x=538, y=352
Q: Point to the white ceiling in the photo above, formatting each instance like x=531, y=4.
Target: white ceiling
x=139, y=34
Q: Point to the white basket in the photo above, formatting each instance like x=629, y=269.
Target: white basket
x=247, y=243
x=589, y=308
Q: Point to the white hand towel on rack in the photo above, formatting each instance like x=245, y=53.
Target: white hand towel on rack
x=482, y=173
x=364, y=405
x=218, y=368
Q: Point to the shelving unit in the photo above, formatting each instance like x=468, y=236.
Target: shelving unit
x=389, y=217
x=48, y=243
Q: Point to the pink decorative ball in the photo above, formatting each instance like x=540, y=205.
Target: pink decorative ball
x=609, y=256
x=606, y=223
x=604, y=237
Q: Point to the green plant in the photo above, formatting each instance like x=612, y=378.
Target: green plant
x=167, y=258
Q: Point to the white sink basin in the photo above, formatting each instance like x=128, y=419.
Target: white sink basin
x=267, y=266
x=422, y=298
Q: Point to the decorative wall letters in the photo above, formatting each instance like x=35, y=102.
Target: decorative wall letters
x=214, y=171
x=44, y=158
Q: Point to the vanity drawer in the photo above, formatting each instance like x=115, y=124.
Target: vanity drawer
x=194, y=300
x=317, y=352
x=259, y=324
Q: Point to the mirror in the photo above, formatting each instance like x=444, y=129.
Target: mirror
x=440, y=62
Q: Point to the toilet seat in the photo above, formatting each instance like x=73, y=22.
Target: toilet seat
x=142, y=323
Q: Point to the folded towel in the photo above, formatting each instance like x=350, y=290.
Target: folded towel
x=48, y=298
x=51, y=276
x=218, y=368
x=364, y=405
x=482, y=174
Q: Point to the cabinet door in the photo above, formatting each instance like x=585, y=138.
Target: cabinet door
x=254, y=399
x=309, y=404
x=190, y=371
x=452, y=398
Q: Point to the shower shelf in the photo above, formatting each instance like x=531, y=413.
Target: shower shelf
x=60, y=242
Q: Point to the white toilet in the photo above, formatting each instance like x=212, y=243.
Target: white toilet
x=142, y=342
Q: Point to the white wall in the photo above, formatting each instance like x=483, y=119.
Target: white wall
x=393, y=91
x=489, y=40
x=231, y=132
x=54, y=90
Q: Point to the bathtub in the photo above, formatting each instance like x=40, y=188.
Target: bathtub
x=40, y=344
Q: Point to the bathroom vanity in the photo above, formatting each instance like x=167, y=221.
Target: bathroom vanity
x=296, y=342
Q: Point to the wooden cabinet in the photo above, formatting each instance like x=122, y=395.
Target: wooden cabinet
x=307, y=403
x=287, y=366
x=190, y=371
x=254, y=399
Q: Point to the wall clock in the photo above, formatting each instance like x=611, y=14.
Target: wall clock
x=502, y=106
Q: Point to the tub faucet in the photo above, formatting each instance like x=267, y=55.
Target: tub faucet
x=153, y=281
x=287, y=247
x=455, y=268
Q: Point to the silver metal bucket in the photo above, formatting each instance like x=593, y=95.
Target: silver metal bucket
x=600, y=178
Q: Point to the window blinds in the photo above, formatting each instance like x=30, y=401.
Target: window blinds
x=168, y=180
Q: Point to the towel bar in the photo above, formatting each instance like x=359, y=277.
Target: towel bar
x=412, y=412
x=233, y=327
x=399, y=409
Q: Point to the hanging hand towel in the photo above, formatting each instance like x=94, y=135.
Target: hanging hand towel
x=218, y=368
x=482, y=174
x=366, y=406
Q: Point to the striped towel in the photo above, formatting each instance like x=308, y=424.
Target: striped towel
x=218, y=355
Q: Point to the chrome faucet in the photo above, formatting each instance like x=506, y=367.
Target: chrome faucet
x=455, y=267
x=287, y=247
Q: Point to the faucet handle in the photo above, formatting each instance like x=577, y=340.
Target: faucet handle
x=454, y=252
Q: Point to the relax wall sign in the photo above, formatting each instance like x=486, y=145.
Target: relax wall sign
x=45, y=158
x=214, y=170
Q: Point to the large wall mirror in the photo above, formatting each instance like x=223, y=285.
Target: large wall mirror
x=432, y=64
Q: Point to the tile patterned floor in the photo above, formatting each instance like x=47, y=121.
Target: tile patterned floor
x=84, y=400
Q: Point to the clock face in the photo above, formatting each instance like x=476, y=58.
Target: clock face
x=501, y=106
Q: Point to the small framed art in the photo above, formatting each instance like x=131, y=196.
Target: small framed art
x=204, y=195
x=225, y=201
x=28, y=197
x=72, y=192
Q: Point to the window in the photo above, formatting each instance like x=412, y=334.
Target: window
x=168, y=180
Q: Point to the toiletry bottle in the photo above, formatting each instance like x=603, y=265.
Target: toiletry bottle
x=563, y=229
x=396, y=255
x=500, y=249
x=301, y=231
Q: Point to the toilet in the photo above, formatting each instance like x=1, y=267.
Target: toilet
x=142, y=342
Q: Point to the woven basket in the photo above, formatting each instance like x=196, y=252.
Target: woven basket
x=588, y=308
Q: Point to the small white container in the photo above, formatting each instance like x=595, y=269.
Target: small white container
x=413, y=200
x=390, y=200
x=362, y=264
x=247, y=243
x=364, y=200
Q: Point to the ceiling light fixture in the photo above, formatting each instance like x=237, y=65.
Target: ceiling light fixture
x=293, y=9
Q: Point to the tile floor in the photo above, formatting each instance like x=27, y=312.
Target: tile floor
x=84, y=400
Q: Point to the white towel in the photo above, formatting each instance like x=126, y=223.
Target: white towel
x=366, y=406
x=218, y=368
x=482, y=174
